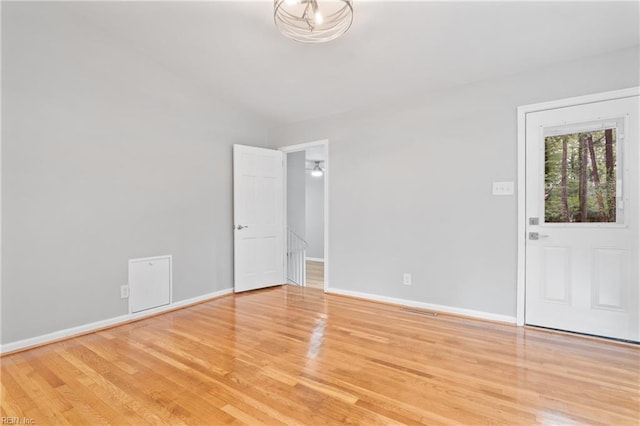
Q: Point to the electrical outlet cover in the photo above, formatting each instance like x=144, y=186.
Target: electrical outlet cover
x=406, y=279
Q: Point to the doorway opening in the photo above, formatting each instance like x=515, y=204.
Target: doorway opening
x=306, y=218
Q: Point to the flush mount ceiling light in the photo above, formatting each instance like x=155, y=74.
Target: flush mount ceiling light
x=317, y=170
x=313, y=21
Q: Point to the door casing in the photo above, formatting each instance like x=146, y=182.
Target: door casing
x=302, y=147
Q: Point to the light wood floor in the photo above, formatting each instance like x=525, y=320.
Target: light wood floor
x=315, y=274
x=292, y=355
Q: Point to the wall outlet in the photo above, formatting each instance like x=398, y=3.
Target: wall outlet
x=406, y=278
x=124, y=291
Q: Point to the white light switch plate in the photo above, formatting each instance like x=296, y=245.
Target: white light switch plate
x=502, y=188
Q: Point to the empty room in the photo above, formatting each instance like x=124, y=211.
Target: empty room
x=319, y=212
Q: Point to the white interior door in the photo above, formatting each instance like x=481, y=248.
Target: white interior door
x=258, y=213
x=582, y=268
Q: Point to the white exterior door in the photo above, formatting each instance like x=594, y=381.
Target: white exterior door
x=258, y=213
x=582, y=266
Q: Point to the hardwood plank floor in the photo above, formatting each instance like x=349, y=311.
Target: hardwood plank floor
x=315, y=274
x=292, y=355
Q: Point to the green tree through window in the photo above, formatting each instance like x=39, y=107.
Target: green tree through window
x=580, y=177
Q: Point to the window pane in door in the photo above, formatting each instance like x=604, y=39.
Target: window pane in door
x=580, y=176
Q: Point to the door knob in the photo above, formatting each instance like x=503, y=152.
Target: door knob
x=240, y=227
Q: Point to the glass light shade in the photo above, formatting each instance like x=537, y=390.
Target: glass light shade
x=317, y=170
x=313, y=21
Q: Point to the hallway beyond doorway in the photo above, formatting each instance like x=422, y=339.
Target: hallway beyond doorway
x=315, y=274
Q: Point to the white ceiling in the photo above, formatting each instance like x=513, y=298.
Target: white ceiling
x=393, y=50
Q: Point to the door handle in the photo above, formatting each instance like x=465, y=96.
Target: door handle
x=537, y=236
x=241, y=227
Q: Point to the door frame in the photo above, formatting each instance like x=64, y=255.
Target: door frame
x=302, y=147
x=522, y=164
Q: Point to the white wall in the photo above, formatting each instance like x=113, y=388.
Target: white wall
x=315, y=215
x=296, y=193
x=410, y=187
x=105, y=157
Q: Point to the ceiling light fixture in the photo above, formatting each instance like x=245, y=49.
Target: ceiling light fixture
x=313, y=21
x=317, y=170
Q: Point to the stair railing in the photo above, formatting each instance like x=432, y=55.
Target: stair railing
x=296, y=258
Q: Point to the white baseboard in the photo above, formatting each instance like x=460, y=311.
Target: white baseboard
x=98, y=325
x=439, y=308
x=315, y=259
